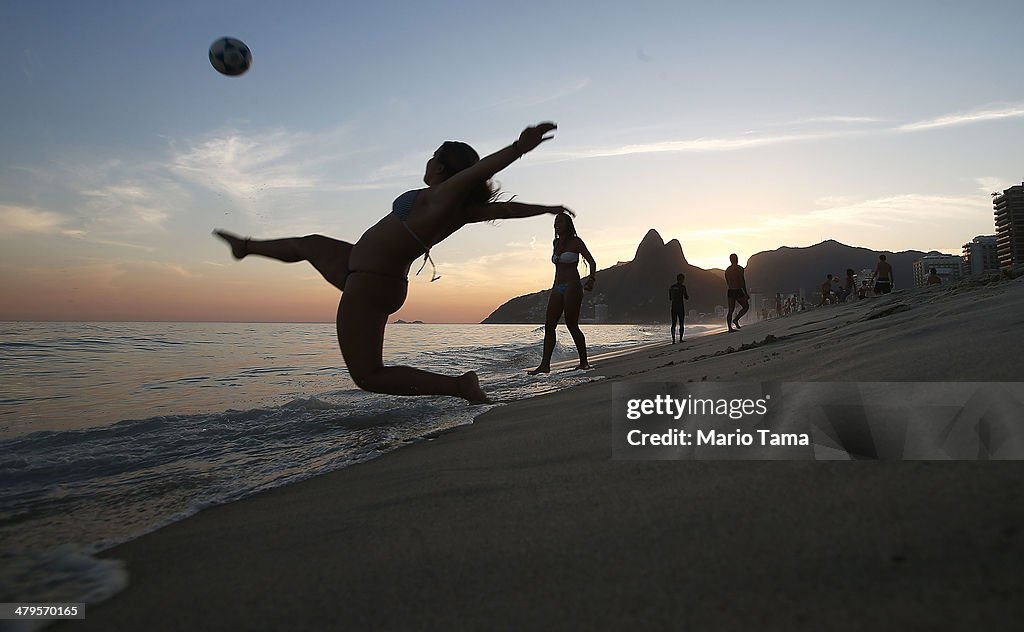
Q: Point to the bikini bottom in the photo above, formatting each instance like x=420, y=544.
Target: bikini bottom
x=563, y=287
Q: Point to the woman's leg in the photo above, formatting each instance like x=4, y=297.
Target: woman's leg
x=573, y=303
x=556, y=303
x=363, y=313
x=329, y=256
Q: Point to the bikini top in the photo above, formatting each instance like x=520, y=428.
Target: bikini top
x=566, y=257
x=402, y=205
x=401, y=208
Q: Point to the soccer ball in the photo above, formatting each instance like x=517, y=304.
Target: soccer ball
x=230, y=56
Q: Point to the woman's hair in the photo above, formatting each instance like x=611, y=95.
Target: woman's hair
x=454, y=157
x=570, y=227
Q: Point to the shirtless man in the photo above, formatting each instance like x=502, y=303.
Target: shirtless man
x=850, y=287
x=737, y=291
x=883, y=276
x=826, y=291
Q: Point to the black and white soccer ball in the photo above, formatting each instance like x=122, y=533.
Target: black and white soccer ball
x=230, y=56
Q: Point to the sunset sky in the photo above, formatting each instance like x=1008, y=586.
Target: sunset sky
x=731, y=126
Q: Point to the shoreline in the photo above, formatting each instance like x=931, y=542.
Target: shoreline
x=522, y=518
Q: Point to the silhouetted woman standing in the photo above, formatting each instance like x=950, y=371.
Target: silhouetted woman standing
x=567, y=292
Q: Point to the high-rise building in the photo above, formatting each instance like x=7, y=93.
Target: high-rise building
x=756, y=302
x=1009, y=211
x=948, y=267
x=980, y=255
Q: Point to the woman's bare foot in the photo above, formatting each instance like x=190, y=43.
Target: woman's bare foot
x=539, y=370
x=239, y=246
x=469, y=389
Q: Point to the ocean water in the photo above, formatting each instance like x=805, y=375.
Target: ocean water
x=111, y=430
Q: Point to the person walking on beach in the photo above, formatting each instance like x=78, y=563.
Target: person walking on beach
x=826, y=291
x=373, y=272
x=851, y=283
x=737, y=291
x=567, y=292
x=934, y=278
x=676, y=294
x=883, y=276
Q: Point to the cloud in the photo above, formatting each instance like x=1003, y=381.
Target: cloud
x=111, y=198
x=896, y=212
x=754, y=139
x=126, y=207
x=912, y=208
x=834, y=119
x=979, y=116
x=695, y=145
x=110, y=242
x=247, y=167
x=991, y=184
x=241, y=166
x=19, y=219
x=511, y=267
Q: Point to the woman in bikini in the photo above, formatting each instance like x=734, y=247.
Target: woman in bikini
x=567, y=292
x=373, y=272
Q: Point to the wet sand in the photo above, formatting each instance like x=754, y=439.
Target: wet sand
x=523, y=520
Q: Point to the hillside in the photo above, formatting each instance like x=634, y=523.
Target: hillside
x=787, y=269
x=635, y=291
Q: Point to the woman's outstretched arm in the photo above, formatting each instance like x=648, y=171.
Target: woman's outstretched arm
x=511, y=210
x=462, y=182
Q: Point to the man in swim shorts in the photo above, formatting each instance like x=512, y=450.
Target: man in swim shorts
x=883, y=276
x=737, y=292
x=676, y=294
x=826, y=291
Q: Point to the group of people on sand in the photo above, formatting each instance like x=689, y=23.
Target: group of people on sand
x=832, y=292
x=372, y=273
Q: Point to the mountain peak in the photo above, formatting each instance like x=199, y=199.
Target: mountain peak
x=651, y=243
x=675, y=247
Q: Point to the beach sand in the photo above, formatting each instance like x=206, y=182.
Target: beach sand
x=524, y=521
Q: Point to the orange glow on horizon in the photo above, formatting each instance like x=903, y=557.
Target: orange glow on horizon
x=155, y=294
